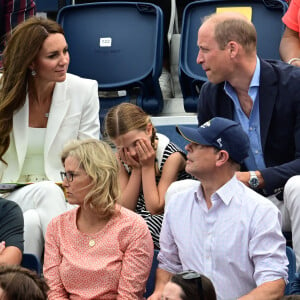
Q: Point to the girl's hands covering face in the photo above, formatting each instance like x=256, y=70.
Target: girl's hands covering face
x=128, y=159
x=145, y=152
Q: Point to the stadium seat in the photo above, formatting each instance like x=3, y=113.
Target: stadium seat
x=167, y=126
x=50, y=5
x=265, y=15
x=119, y=44
x=31, y=262
x=151, y=279
x=292, y=269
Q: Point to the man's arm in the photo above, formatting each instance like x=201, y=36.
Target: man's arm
x=11, y=232
x=272, y=290
x=290, y=46
x=162, y=277
x=11, y=255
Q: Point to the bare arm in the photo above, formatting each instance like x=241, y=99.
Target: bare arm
x=272, y=290
x=10, y=255
x=155, y=194
x=130, y=184
x=162, y=277
x=290, y=46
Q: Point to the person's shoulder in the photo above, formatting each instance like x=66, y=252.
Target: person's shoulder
x=77, y=81
x=7, y=205
x=64, y=218
x=253, y=200
x=180, y=192
x=281, y=67
x=128, y=216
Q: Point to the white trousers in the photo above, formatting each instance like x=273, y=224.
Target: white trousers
x=290, y=211
x=40, y=202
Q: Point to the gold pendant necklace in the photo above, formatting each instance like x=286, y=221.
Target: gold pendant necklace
x=92, y=243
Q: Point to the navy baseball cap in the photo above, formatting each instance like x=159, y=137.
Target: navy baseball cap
x=223, y=134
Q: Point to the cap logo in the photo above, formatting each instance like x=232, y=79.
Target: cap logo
x=206, y=124
x=219, y=141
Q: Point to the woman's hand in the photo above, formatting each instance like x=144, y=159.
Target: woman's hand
x=145, y=152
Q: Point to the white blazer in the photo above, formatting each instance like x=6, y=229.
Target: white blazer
x=74, y=114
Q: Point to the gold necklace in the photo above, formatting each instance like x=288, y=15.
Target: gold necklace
x=92, y=243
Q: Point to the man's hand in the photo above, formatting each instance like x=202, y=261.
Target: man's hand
x=244, y=177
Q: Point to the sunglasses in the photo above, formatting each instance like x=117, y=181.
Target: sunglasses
x=192, y=275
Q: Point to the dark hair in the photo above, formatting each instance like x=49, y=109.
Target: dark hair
x=198, y=288
x=19, y=283
x=22, y=48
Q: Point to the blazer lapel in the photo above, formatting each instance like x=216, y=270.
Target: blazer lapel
x=20, y=131
x=267, y=99
x=59, y=107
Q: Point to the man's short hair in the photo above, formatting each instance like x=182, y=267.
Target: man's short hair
x=235, y=29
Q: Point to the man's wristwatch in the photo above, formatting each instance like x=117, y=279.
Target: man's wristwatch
x=253, y=181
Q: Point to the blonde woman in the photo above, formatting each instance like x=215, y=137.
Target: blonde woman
x=98, y=250
x=149, y=163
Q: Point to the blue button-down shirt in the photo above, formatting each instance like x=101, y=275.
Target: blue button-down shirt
x=251, y=125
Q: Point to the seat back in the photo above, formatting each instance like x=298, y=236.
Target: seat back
x=51, y=5
x=151, y=279
x=119, y=44
x=266, y=19
x=167, y=126
x=291, y=268
x=31, y=262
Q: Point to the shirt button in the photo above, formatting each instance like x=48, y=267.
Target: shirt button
x=92, y=243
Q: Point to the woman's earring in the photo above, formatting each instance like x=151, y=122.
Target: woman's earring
x=33, y=73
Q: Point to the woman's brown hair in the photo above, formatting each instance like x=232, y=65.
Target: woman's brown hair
x=21, y=50
x=18, y=283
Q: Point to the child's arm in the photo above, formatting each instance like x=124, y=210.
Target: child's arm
x=130, y=184
x=155, y=194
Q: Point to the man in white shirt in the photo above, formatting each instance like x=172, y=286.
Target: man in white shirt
x=220, y=227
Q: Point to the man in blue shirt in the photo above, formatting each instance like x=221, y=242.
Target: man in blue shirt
x=264, y=97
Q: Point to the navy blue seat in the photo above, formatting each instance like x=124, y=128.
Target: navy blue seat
x=171, y=133
x=266, y=16
x=31, y=262
x=151, y=279
x=291, y=271
x=119, y=44
x=50, y=5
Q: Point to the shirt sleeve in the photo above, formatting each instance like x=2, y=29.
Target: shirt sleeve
x=137, y=263
x=52, y=261
x=267, y=246
x=12, y=224
x=168, y=256
x=291, y=17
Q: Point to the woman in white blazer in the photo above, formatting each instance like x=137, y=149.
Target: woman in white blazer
x=41, y=108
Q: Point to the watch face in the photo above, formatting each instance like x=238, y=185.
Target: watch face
x=254, y=183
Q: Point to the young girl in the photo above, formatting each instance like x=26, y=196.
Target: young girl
x=149, y=163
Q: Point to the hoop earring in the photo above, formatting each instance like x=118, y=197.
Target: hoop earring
x=33, y=73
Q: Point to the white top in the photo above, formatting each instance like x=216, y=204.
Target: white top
x=33, y=168
x=237, y=243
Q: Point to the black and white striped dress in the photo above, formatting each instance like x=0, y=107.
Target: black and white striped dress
x=154, y=221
